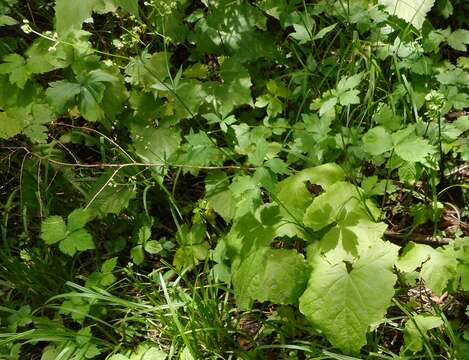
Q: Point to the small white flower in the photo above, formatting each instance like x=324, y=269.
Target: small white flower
x=26, y=28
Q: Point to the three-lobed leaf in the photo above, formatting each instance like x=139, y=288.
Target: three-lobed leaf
x=72, y=237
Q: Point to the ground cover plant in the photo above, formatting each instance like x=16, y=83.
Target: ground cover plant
x=234, y=179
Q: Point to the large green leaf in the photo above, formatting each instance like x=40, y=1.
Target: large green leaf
x=294, y=197
x=276, y=275
x=345, y=299
x=412, y=11
x=339, y=200
x=350, y=238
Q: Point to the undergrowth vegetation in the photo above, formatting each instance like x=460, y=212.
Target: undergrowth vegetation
x=234, y=179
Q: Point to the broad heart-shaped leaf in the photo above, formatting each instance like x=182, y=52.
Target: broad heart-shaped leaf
x=340, y=200
x=79, y=240
x=350, y=238
x=412, y=11
x=276, y=275
x=294, y=197
x=78, y=218
x=344, y=302
x=53, y=229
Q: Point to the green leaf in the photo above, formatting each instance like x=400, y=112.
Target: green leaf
x=351, y=238
x=413, y=256
x=15, y=66
x=327, y=105
x=76, y=306
x=248, y=234
x=324, y=31
x=416, y=328
x=79, y=240
x=235, y=89
x=61, y=95
x=92, y=93
x=153, y=247
x=53, y=230
x=414, y=149
x=344, y=302
x=147, y=69
x=109, y=200
x=70, y=15
x=138, y=256
x=349, y=82
x=10, y=125
x=200, y=151
x=377, y=141
x=412, y=11
x=109, y=265
x=219, y=196
x=301, y=33
x=339, y=200
x=155, y=145
x=349, y=97
x=458, y=39
x=131, y=6
x=154, y=354
x=118, y=357
x=439, y=270
x=78, y=218
x=6, y=20
x=294, y=196
x=386, y=117
x=193, y=248
x=275, y=275
x=438, y=266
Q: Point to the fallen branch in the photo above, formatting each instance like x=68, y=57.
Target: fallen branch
x=418, y=238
